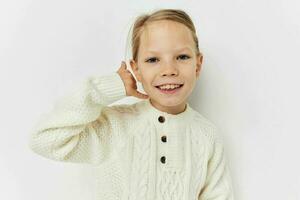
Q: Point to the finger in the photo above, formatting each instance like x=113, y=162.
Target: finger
x=141, y=95
x=124, y=65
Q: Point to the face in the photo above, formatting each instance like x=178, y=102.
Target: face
x=167, y=55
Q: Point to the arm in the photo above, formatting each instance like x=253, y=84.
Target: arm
x=218, y=183
x=78, y=128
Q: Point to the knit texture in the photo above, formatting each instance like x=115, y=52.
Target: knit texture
x=124, y=145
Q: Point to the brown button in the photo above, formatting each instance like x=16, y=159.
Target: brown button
x=164, y=138
x=163, y=159
x=161, y=119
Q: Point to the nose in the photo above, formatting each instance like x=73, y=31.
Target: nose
x=169, y=69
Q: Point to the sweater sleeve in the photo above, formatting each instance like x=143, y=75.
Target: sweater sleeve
x=218, y=183
x=78, y=128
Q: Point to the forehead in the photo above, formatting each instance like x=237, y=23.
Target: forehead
x=165, y=35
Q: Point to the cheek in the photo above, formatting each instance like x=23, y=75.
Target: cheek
x=147, y=76
x=146, y=82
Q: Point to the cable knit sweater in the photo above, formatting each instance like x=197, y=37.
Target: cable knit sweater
x=138, y=151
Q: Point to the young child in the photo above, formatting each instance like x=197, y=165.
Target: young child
x=156, y=149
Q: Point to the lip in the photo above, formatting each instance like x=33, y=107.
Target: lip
x=170, y=91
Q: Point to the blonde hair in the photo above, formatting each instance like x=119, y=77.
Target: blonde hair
x=143, y=20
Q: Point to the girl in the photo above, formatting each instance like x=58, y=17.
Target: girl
x=156, y=149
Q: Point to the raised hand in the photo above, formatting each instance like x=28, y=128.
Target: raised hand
x=130, y=82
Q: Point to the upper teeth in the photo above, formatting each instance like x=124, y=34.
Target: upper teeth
x=171, y=86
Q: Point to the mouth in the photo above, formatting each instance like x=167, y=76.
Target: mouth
x=170, y=91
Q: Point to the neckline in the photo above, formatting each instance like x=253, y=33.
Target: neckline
x=154, y=111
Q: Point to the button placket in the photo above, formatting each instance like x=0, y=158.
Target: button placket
x=163, y=138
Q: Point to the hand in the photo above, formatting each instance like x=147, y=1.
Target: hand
x=130, y=82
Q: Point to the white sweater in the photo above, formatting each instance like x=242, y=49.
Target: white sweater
x=139, y=152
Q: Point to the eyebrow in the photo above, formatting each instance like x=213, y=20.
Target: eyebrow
x=177, y=50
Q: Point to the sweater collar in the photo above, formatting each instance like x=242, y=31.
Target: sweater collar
x=155, y=113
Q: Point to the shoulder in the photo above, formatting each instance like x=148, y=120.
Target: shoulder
x=117, y=112
x=205, y=127
x=120, y=116
x=122, y=110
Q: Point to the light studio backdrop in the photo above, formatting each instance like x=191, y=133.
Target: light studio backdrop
x=249, y=86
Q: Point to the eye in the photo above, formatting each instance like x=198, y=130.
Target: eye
x=184, y=56
x=151, y=59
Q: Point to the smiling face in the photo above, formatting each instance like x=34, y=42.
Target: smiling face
x=167, y=55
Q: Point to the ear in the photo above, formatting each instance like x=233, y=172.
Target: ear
x=199, y=64
x=135, y=70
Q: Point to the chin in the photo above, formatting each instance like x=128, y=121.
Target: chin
x=171, y=102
